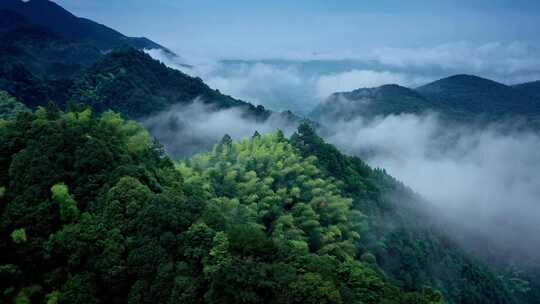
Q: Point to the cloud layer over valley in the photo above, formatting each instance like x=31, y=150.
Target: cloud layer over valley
x=298, y=82
x=484, y=180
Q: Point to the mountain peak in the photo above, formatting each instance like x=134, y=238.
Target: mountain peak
x=53, y=17
x=469, y=94
x=370, y=102
x=463, y=80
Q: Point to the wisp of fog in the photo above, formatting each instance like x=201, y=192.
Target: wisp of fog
x=188, y=129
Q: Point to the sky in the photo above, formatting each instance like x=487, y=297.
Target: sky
x=255, y=28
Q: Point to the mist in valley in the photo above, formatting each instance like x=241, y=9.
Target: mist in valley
x=483, y=179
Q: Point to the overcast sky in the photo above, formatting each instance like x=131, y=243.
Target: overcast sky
x=235, y=28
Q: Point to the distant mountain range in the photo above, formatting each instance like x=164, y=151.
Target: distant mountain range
x=459, y=97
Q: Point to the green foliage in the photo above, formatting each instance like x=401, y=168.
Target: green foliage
x=312, y=288
x=264, y=220
x=18, y=236
x=130, y=82
x=270, y=184
x=68, y=206
x=53, y=297
x=9, y=106
x=26, y=294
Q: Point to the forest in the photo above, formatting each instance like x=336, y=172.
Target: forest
x=94, y=211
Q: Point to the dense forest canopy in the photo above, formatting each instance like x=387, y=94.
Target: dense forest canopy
x=93, y=211
x=101, y=215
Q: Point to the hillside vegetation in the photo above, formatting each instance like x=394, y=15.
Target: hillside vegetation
x=94, y=212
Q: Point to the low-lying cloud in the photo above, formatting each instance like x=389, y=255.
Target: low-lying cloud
x=298, y=82
x=485, y=180
x=188, y=129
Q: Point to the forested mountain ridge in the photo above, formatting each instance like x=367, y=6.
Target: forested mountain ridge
x=40, y=66
x=371, y=102
x=125, y=80
x=102, y=215
x=457, y=98
x=132, y=83
x=469, y=95
x=45, y=53
x=52, y=17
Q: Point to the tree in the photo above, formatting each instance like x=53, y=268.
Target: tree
x=68, y=207
x=19, y=236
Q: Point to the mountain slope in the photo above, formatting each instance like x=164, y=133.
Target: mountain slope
x=49, y=15
x=530, y=88
x=467, y=96
x=371, y=102
x=45, y=53
x=102, y=216
x=10, y=20
x=410, y=246
x=132, y=83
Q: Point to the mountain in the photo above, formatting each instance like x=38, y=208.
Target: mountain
x=10, y=20
x=51, y=16
x=45, y=53
x=469, y=96
x=457, y=98
x=101, y=215
x=125, y=80
x=530, y=88
x=48, y=54
x=371, y=102
x=131, y=82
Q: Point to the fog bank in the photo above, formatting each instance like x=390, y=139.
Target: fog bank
x=188, y=129
x=486, y=180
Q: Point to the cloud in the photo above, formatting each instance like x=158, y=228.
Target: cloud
x=188, y=129
x=260, y=83
x=298, y=82
x=275, y=87
x=486, y=181
x=354, y=79
x=509, y=63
